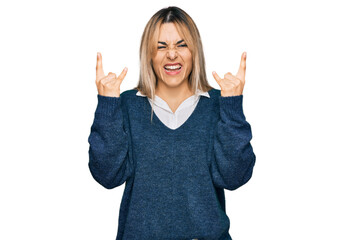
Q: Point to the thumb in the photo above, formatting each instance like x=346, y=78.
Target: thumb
x=122, y=75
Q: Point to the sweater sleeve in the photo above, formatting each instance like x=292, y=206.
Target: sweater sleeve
x=109, y=161
x=233, y=157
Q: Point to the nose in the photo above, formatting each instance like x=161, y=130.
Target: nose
x=172, y=54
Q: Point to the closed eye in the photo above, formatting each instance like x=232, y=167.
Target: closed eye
x=182, y=45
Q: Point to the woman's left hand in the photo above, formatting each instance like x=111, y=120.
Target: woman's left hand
x=233, y=85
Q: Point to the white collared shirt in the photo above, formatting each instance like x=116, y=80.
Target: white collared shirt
x=182, y=113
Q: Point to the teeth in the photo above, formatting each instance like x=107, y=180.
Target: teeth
x=173, y=67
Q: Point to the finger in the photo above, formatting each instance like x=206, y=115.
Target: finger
x=122, y=75
x=99, y=67
x=241, y=72
x=217, y=78
x=231, y=77
x=110, y=77
x=227, y=74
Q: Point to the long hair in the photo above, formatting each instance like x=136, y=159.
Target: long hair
x=187, y=29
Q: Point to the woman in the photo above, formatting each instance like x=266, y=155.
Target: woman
x=177, y=164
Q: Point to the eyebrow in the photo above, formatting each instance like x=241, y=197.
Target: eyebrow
x=166, y=43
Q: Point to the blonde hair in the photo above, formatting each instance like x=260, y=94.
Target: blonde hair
x=187, y=29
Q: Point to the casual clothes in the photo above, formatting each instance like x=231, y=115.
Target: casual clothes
x=175, y=178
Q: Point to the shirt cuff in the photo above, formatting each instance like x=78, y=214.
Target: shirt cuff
x=231, y=108
x=107, y=106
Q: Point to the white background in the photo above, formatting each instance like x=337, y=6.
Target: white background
x=302, y=98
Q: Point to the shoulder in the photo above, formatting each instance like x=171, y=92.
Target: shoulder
x=129, y=93
x=214, y=93
x=127, y=98
x=214, y=96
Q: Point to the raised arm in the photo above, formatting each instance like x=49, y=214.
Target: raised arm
x=109, y=161
x=233, y=156
x=233, y=160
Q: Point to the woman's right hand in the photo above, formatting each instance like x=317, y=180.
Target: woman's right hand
x=108, y=85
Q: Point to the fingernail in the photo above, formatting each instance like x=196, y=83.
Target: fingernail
x=213, y=72
x=245, y=54
x=125, y=68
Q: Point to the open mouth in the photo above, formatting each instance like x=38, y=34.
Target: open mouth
x=172, y=67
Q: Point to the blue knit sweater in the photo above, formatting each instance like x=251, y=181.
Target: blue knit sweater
x=175, y=179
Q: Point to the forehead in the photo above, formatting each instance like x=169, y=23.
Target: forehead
x=168, y=33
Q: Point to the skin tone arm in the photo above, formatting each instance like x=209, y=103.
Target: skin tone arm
x=108, y=85
x=233, y=85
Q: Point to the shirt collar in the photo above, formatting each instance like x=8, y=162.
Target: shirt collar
x=198, y=92
x=190, y=101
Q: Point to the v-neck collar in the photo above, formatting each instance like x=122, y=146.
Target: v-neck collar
x=192, y=100
x=159, y=124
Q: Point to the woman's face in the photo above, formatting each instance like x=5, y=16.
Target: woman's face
x=173, y=60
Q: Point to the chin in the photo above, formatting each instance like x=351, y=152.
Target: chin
x=172, y=84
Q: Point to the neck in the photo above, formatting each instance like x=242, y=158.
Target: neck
x=174, y=96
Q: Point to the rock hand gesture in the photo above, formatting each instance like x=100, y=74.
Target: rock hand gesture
x=233, y=85
x=108, y=85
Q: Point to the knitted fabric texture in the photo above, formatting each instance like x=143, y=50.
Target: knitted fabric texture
x=174, y=179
